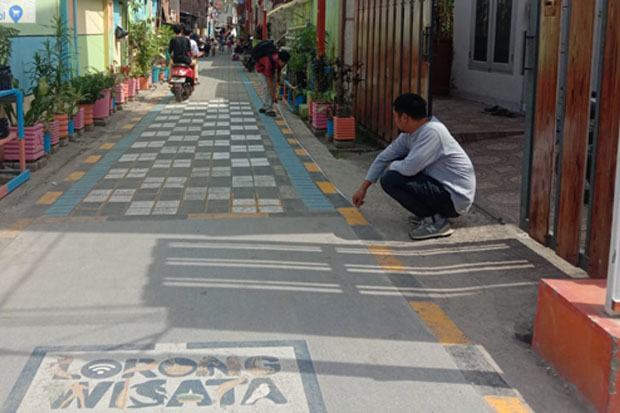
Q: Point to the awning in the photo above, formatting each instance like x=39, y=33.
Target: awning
x=286, y=6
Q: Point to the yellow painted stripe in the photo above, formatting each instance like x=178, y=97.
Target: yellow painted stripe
x=49, y=198
x=287, y=131
x=301, y=152
x=92, y=159
x=506, y=404
x=439, y=323
x=353, y=216
x=149, y=107
x=15, y=228
x=280, y=123
x=107, y=145
x=136, y=118
x=385, y=258
x=226, y=216
x=129, y=126
x=75, y=176
x=327, y=187
x=292, y=141
x=312, y=167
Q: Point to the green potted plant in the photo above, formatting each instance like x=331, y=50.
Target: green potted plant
x=75, y=110
x=91, y=91
x=6, y=50
x=322, y=95
x=33, y=128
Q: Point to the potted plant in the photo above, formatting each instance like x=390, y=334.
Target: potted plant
x=322, y=95
x=6, y=77
x=91, y=91
x=61, y=110
x=73, y=110
x=348, y=76
x=33, y=128
x=102, y=84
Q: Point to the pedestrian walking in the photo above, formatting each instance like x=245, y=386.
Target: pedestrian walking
x=429, y=173
x=269, y=67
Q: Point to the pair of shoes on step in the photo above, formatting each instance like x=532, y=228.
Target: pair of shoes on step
x=267, y=112
x=429, y=227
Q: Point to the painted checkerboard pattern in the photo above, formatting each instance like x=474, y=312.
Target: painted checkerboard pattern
x=196, y=157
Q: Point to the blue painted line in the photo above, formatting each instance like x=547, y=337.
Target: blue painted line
x=70, y=199
x=301, y=180
x=18, y=180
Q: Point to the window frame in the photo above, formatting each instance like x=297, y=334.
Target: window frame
x=489, y=65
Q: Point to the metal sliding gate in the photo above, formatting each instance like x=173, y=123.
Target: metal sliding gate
x=572, y=130
x=393, y=42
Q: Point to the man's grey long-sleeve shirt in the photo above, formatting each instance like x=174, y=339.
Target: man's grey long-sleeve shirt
x=433, y=151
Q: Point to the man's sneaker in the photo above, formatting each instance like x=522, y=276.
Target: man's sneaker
x=436, y=227
x=271, y=113
x=414, y=220
x=261, y=110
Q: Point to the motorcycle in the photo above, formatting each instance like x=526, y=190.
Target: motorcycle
x=182, y=81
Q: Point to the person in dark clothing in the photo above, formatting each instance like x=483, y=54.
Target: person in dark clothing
x=180, y=47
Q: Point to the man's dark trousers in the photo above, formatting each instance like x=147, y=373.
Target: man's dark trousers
x=420, y=194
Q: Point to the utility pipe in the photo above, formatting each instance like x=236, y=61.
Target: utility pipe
x=76, y=38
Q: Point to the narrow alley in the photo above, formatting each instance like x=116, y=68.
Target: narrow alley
x=203, y=260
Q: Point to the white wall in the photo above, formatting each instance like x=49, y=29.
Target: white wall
x=493, y=88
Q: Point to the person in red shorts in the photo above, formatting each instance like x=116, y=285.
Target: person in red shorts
x=269, y=68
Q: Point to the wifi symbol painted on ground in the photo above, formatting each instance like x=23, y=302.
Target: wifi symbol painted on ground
x=99, y=369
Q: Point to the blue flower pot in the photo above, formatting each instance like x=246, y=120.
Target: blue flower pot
x=166, y=73
x=71, y=128
x=155, y=71
x=113, y=103
x=330, y=127
x=299, y=100
x=47, y=143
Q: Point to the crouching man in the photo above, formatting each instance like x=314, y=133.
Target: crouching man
x=429, y=173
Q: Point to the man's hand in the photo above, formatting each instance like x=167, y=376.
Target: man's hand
x=360, y=195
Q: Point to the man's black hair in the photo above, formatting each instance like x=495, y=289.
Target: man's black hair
x=284, y=56
x=187, y=30
x=411, y=105
x=177, y=29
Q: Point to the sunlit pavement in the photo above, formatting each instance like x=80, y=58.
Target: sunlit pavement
x=200, y=264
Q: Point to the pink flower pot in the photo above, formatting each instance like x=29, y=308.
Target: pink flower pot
x=319, y=115
x=78, y=120
x=120, y=93
x=33, y=137
x=101, y=110
x=131, y=88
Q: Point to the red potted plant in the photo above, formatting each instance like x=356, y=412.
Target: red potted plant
x=347, y=76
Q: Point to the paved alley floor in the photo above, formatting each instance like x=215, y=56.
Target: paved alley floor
x=203, y=262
